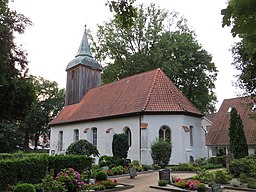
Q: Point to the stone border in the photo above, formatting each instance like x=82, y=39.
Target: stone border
x=238, y=188
x=125, y=186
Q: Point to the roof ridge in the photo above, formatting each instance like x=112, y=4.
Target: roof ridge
x=151, y=89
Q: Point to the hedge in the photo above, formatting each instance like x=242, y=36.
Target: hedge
x=34, y=169
x=218, y=160
x=245, y=165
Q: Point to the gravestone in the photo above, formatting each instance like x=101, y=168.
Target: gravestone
x=165, y=175
x=132, y=172
x=216, y=188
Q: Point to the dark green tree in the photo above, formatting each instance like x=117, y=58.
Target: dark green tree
x=158, y=39
x=16, y=91
x=240, y=15
x=161, y=152
x=82, y=147
x=237, y=139
x=120, y=145
x=49, y=101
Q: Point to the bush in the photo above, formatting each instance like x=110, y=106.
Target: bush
x=77, y=162
x=162, y=182
x=49, y=184
x=118, y=170
x=222, y=177
x=245, y=165
x=235, y=182
x=156, y=167
x=24, y=187
x=101, y=176
x=146, y=167
x=120, y=145
x=251, y=183
x=201, y=187
x=161, y=151
x=218, y=160
x=109, y=161
x=82, y=147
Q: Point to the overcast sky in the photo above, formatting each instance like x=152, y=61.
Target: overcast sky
x=58, y=26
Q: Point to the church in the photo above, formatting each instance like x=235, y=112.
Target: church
x=145, y=106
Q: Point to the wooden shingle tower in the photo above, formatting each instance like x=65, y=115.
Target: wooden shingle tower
x=83, y=73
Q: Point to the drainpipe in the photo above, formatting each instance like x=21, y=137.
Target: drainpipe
x=140, y=134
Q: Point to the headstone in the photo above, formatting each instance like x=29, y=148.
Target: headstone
x=165, y=175
x=132, y=172
x=216, y=188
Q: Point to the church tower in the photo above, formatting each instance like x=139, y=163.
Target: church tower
x=83, y=73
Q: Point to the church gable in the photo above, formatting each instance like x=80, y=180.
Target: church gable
x=150, y=91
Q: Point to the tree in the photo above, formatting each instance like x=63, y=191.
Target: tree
x=120, y=145
x=16, y=90
x=82, y=147
x=240, y=15
x=161, y=151
x=237, y=139
x=158, y=39
x=49, y=101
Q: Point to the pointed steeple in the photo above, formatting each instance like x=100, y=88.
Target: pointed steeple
x=84, y=56
x=84, y=49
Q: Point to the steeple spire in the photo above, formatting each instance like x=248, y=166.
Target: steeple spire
x=84, y=49
x=84, y=56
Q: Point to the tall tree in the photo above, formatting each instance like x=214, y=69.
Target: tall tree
x=16, y=92
x=50, y=100
x=158, y=39
x=237, y=139
x=240, y=15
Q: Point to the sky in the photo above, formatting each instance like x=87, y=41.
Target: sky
x=58, y=26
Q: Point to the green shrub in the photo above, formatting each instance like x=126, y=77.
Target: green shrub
x=24, y=187
x=243, y=177
x=156, y=167
x=161, y=151
x=184, y=167
x=135, y=163
x=118, y=170
x=82, y=147
x=222, y=177
x=162, y=182
x=146, y=167
x=235, y=182
x=218, y=160
x=251, y=183
x=204, y=176
x=109, y=161
x=77, y=162
x=245, y=165
x=108, y=184
x=181, y=183
x=120, y=145
x=101, y=176
x=201, y=187
x=49, y=184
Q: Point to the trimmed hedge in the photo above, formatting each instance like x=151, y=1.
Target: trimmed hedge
x=245, y=165
x=34, y=169
x=218, y=160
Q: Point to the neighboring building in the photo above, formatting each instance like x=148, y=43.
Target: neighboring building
x=218, y=136
x=146, y=106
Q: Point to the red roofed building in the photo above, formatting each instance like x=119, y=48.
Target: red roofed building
x=146, y=106
x=218, y=136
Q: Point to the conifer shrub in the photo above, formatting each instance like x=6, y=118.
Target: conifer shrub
x=24, y=187
x=120, y=145
x=101, y=176
x=161, y=151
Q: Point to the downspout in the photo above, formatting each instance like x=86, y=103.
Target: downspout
x=140, y=134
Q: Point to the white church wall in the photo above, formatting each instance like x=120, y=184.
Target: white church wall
x=104, y=142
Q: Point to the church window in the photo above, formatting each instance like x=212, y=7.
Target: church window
x=60, y=142
x=165, y=133
x=73, y=74
x=94, y=136
x=129, y=134
x=191, y=135
x=76, y=135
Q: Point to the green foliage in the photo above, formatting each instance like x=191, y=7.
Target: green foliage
x=109, y=161
x=49, y=184
x=245, y=165
x=237, y=139
x=222, y=177
x=251, y=183
x=162, y=182
x=77, y=162
x=118, y=170
x=82, y=147
x=120, y=145
x=204, y=176
x=24, y=187
x=101, y=176
x=124, y=12
x=156, y=167
x=235, y=182
x=201, y=187
x=158, y=39
x=161, y=151
x=184, y=167
x=219, y=160
x=146, y=167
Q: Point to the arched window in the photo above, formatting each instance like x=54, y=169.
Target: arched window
x=165, y=133
x=60, y=141
x=94, y=136
x=129, y=134
x=76, y=135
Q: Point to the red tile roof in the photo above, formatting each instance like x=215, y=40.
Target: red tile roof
x=218, y=134
x=150, y=91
